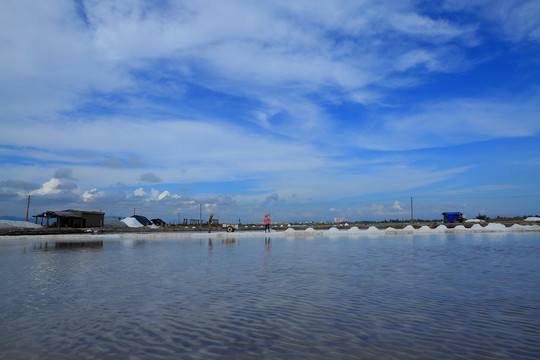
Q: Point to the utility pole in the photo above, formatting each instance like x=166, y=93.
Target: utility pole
x=411, y=210
x=133, y=211
x=200, y=217
x=27, y=208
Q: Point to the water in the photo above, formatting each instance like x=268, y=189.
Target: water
x=472, y=296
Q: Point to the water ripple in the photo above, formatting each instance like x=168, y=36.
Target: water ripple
x=403, y=297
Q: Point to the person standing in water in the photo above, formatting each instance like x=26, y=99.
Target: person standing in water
x=266, y=223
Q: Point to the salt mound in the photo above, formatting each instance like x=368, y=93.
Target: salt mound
x=333, y=229
x=354, y=229
x=517, y=227
x=495, y=227
x=372, y=229
x=440, y=228
x=310, y=229
x=113, y=223
x=408, y=228
x=132, y=222
x=474, y=220
x=532, y=218
x=11, y=224
x=290, y=230
x=477, y=227
x=423, y=229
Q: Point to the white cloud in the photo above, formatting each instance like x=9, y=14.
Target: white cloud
x=397, y=206
x=164, y=194
x=514, y=20
x=48, y=188
x=92, y=195
x=266, y=48
x=454, y=122
x=81, y=89
x=139, y=192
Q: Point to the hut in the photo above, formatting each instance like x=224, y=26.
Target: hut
x=450, y=217
x=73, y=218
x=158, y=222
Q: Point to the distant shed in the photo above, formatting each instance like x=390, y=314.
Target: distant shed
x=158, y=222
x=450, y=217
x=73, y=218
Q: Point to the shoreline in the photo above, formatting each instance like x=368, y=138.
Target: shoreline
x=354, y=231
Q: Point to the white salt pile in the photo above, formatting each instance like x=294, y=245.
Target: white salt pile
x=113, y=223
x=11, y=224
x=132, y=222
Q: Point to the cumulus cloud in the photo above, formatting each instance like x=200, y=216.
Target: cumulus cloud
x=213, y=92
x=397, y=206
x=50, y=187
x=154, y=194
x=92, y=195
x=139, y=192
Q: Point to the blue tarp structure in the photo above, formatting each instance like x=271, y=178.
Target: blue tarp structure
x=450, y=217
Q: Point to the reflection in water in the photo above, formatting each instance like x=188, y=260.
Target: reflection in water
x=62, y=245
x=229, y=242
x=139, y=243
x=78, y=244
x=442, y=296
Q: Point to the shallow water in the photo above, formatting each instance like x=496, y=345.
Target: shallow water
x=471, y=296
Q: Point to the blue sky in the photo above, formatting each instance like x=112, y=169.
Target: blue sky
x=307, y=110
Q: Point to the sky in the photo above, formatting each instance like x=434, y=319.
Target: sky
x=307, y=110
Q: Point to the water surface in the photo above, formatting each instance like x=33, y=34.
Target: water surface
x=468, y=296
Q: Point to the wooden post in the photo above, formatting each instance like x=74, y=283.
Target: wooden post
x=411, y=210
x=27, y=208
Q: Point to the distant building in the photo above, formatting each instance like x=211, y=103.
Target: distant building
x=73, y=218
x=339, y=220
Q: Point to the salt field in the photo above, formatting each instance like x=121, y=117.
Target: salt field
x=336, y=294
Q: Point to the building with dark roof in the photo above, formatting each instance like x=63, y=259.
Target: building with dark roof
x=73, y=218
